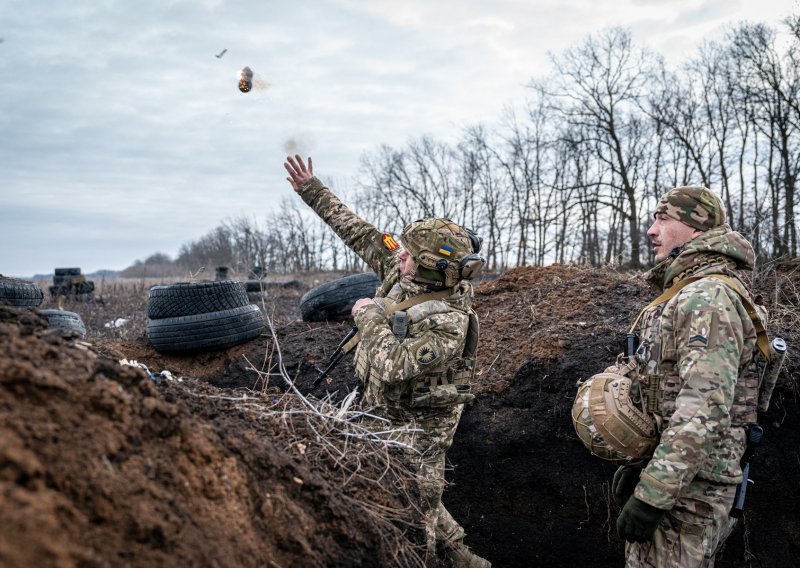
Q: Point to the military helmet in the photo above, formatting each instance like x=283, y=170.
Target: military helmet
x=609, y=423
x=444, y=251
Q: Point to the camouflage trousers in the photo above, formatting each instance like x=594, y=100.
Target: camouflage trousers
x=691, y=533
x=429, y=444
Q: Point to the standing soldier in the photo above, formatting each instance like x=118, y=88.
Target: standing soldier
x=418, y=340
x=696, y=360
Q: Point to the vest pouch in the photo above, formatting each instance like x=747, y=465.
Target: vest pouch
x=461, y=371
x=441, y=396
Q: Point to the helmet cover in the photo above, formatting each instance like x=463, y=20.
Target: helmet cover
x=609, y=423
x=444, y=251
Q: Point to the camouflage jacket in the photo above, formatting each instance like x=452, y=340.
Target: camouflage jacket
x=437, y=330
x=695, y=355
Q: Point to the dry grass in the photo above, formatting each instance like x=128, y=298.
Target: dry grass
x=778, y=285
x=331, y=438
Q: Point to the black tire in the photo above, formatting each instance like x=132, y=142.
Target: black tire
x=214, y=330
x=60, y=319
x=84, y=287
x=20, y=292
x=255, y=285
x=334, y=300
x=67, y=272
x=66, y=289
x=188, y=299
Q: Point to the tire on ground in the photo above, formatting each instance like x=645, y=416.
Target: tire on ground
x=255, y=285
x=60, y=319
x=68, y=289
x=67, y=272
x=334, y=300
x=20, y=292
x=84, y=287
x=212, y=330
x=192, y=298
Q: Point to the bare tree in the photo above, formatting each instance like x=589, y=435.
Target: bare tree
x=599, y=87
x=771, y=82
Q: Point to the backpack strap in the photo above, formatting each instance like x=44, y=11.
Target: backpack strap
x=404, y=305
x=763, y=339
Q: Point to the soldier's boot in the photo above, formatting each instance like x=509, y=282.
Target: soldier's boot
x=460, y=556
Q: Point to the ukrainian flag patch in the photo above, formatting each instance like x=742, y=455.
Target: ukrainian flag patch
x=445, y=250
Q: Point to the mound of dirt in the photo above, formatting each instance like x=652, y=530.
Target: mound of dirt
x=101, y=466
x=119, y=469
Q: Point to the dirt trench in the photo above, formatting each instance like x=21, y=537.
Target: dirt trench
x=125, y=471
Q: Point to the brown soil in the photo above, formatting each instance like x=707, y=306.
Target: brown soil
x=101, y=466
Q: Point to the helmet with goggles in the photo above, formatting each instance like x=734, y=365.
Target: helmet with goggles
x=443, y=251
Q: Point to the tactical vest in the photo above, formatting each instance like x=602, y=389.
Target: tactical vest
x=441, y=388
x=660, y=386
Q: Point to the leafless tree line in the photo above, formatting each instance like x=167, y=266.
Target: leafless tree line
x=574, y=173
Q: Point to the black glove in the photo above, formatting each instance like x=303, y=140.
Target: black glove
x=638, y=521
x=625, y=479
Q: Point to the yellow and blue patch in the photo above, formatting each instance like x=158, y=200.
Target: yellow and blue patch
x=445, y=250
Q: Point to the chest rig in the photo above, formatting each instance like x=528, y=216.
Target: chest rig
x=441, y=388
x=659, y=380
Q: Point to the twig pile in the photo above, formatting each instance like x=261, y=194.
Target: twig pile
x=333, y=442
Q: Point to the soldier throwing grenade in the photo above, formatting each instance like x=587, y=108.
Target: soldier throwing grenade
x=418, y=340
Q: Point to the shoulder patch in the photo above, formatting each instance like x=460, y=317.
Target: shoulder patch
x=389, y=242
x=426, y=354
x=703, y=329
x=698, y=341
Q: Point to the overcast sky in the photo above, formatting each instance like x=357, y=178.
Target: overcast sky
x=123, y=134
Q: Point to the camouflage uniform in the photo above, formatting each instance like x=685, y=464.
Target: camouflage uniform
x=390, y=367
x=697, y=376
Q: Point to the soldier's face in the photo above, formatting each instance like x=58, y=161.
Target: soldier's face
x=407, y=264
x=668, y=233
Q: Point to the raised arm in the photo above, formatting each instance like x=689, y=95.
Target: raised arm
x=361, y=236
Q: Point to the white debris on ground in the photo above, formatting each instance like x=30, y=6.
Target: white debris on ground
x=165, y=374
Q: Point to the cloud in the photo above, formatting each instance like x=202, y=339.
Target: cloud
x=119, y=117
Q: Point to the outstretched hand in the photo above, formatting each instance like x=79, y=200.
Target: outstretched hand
x=299, y=174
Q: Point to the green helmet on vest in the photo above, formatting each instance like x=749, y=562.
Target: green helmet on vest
x=443, y=251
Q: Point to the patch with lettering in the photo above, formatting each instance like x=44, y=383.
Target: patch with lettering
x=426, y=354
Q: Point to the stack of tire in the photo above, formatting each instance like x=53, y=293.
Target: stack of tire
x=15, y=292
x=70, y=281
x=333, y=300
x=27, y=294
x=196, y=316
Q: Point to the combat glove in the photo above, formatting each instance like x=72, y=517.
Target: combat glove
x=625, y=479
x=638, y=521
